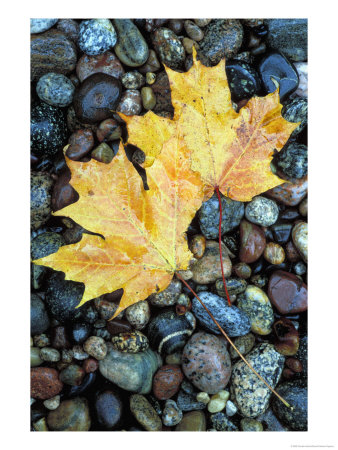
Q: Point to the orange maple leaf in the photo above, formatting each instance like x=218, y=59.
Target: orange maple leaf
x=231, y=151
x=144, y=231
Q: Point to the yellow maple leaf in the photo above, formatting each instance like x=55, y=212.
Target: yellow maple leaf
x=231, y=151
x=144, y=231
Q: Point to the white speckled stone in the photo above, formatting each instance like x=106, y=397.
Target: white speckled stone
x=261, y=211
x=55, y=89
x=302, y=71
x=256, y=304
x=40, y=25
x=96, y=36
x=299, y=237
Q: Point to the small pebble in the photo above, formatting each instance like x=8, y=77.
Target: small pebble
x=71, y=415
x=150, y=78
x=45, y=383
x=262, y=211
x=144, y=413
x=103, y=153
x=79, y=353
x=167, y=297
x=35, y=359
x=41, y=340
x=303, y=207
x=131, y=48
x=130, y=342
x=96, y=347
x=52, y=403
x=166, y=382
x=253, y=242
x=230, y=408
x=242, y=270
x=251, y=425
x=193, y=31
x=72, y=375
x=138, y=315
x=130, y=103
x=287, y=292
x=299, y=237
x=133, y=80
x=148, y=98
x=168, y=47
x=218, y=401
x=274, y=253
x=40, y=205
x=171, y=415
x=80, y=144
x=106, y=63
x=40, y=25
x=243, y=343
x=50, y=354
x=257, y=306
x=192, y=421
x=203, y=397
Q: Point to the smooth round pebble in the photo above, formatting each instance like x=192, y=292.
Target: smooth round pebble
x=144, y=413
x=299, y=237
x=131, y=48
x=96, y=347
x=108, y=409
x=251, y=425
x=192, y=421
x=71, y=415
x=40, y=25
x=55, y=89
x=262, y=211
x=50, y=354
x=96, y=36
x=52, y=403
x=166, y=381
x=138, y=315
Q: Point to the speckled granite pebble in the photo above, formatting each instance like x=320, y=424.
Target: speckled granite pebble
x=172, y=415
x=206, y=362
x=167, y=297
x=243, y=343
x=295, y=110
x=292, y=160
x=169, y=48
x=40, y=25
x=257, y=306
x=221, y=423
x=249, y=393
x=144, y=413
x=288, y=36
x=55, y=89
x=96, y=36
x=262, y=211
x=40, y=207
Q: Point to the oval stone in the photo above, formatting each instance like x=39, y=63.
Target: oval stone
x=131, y=48
x=299, y=237
x=206, y=362
x=257, y=306
x=167, y=381
x=108, y=408
x=290, y=194
x=45, y=383
x=208, y=268
x=106, y=63
x=252, y=242
x=144, y=413
x=192, y=421
x=287, y=292
x=71, y=415
x=169, y=48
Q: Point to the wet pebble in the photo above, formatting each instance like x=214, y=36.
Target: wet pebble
x=292, y=160
x=72, y=375
x=106, y=63
x=40, y=204
x=133, y=80
x=252, y=243
x=131, y=48
x=55, y=89
x=208, y=216
x=71, y=415
x=148, y=98
x=206, y=362
x=242, y=270
x=290, y=194
x=130, y=342
x=287, y=292
x=49, y=354
x=299, y=237
x=168, y=47
x=234, y=286
x=80, y=331
x=45, y=383
x=95, y=346
x=193, y=30
x=80, y=143
x=233, y=320
x=251, y=425
x=295, y=393
x=255, y=303
x=35, y=359
x=295, y=110
x=40, y=25
x=243, y=343
x=192, y=421
x=167, y=297
x=218, y=401
x=144, y=413
x=138, y=315
x=220, y=422
x=300, y=268
x=39, y=316
x=152, y=64
x=96, y=36
x=250, y=394
x=108, y=409
x=188, y=402
x=172, y=415
x=130, y=371
x=70, y=28
x=274, y=253
x=262, y=211
x=52, y=403
x=288, y=36
x=302, y=70
x=166, y=382
x=131, y=103
x=208, y=268
x=79, y=353
x=243, y=79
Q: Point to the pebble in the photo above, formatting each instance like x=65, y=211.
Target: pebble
x=172, y=415
x=80, y=331
x=52, y=403
x=251, y=425
x=96, y=36
x=152, y=64
x=290, y=194
x=220, y=422
x=176, y=25
x=72, y=375
x=40, y=25
x=288, y=36
x=299, y=237
x=96, y=347
x=275, y=65
x=262, y=211
x=50, y=354
x=71, y=415
x=40, y=204
x=233, y=320
x=234, y=286
x=287, y=292
x=243, y=80
x=79, y=353
x=133, y=80
x=222, y=38
x=41, y=340
x=105, y=308
x=206, y=362
x=302, y=71
x=167, y=297
x=271, y=423
x=259, y=280
x=55, y=89
x=80, y=144
x=97, y=97
x=230, y=408
x=295, y=110
x=62, y=297
x=208, y=268
x=255, y=303
x=90, y=365
x=150, y=78
x=250, y=394
x=35, y=359
x=188, y=402
x=108, y=409
x=39, y=316
x=252, y=242
x=67, y=355
x=138, y=315
x=274, y=253
x=242, y=270
x=117, y=326
x=162, y=93
x=169, y=48
x=40, y=425
x=287, y=337
x=197, y=245
x=188, y=45
x=45, y=59
x=48, y=130
x=292, y=160
x=303, y=207
x=243, y=343
x=208, y=216
x=281, y=232
x=192, y=421
x=193, y=30
x=300, y=268
x=148, y=98
x=131, y=103
x=70, y=28
x=167, y=381
x=106, y=63
x=144, y=413
x=130, y=342
x=218, y=401
x=203, y=397
x=88, y=381
x=44, y=244
x=130, y=371
x=45, y=383
x=131, y=48
x=169, y=332
x=108, y=130
x=295, y=393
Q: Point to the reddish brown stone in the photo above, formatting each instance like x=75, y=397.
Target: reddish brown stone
x=80, y=143
x=287, y=337
x=291, y=252
x=294, y=364
x=287, y=292
x=117, y=326
x=252, y=242
x=197, y=245
x=106, y=63
x=63, y=193
x=90, y=365
x=45, y=383
x=59, y=337
x=289, y=193
x=108, y=130
x=242, y=270
x=161, y=89
x=166, y=382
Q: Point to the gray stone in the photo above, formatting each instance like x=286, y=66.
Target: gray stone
x=292, y=160
x=208, y=216
x=249, y=393
x=172, y=414
x=39, y=315
x=243, y=343
x=295, y=393
x=40, y=25
x=288, y=36
x=262, y=211
x=55, y=89
x=96, y=36
x=131, y=48
x=167, y=297
x=187, y=402
x=221, y=423
x=295, y=110
x=233, y=320
x=270, y=421
x=169, y=48
x=130, y=371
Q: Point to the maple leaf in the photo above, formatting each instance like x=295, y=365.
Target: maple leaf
x=144, y=231
x=231, y=151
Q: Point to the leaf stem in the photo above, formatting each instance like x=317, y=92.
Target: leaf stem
x=231, y=343
x=220, y=242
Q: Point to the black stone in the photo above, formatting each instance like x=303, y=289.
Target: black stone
x=289, y=214
x=80, y=332
x=275, y=65
x=288, y=36
x=243, y=80
x=108, y=409
x=295, y=110
x=39, y=316
x=281, y=232
x=295, y=393
x=48, y=130
x=260, y=30
x=292, y=160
